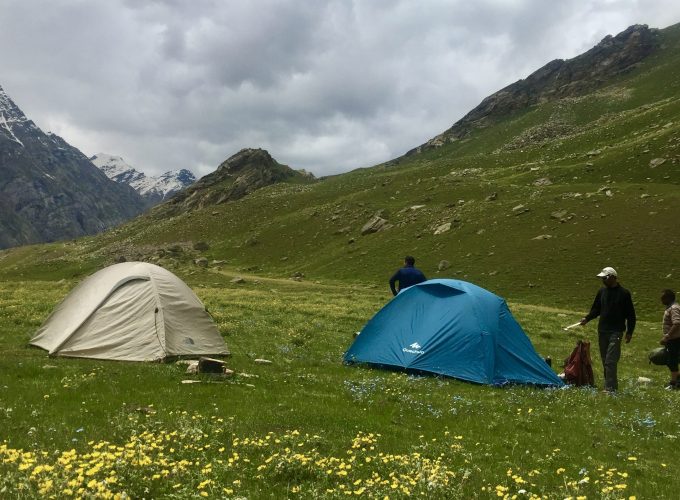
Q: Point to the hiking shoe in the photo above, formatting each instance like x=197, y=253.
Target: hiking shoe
x=671, y=386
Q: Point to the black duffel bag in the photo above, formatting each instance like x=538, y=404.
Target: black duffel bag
x=658, y=356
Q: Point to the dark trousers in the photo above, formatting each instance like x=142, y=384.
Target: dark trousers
x=673, y=350
x=610, y=352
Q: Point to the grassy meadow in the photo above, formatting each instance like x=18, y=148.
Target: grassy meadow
x=306, y=426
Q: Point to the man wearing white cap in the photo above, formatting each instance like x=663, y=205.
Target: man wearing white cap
x=614, y=305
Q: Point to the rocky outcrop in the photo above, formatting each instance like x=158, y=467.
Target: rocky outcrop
x=241, y=174
x=557, y=79
x=375, y=224
x=49, y=190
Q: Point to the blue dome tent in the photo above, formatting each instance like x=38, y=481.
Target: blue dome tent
x=452, y=328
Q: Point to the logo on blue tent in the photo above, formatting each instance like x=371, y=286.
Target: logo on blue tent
x=414, y=349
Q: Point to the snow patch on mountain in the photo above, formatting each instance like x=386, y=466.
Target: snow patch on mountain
x=155, y=189
x=10, y=114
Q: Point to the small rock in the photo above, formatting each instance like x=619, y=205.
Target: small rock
x=656, y=162
x=543, y=181
x=558, y=214
x=481, y=231
x=189, y=381
x=543, y=237
x=374, y=225
x=492, y=197
x=201, y=262
x=443, y=265
x=237, y=279
x=594, y=152
x=261, y=361
x=416, y=207
x=201, y=246
x=442, y=228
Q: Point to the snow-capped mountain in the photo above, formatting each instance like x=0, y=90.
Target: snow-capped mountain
x=153, y=189
x=49, y=190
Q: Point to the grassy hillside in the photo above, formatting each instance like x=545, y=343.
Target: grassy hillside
x=581, y=167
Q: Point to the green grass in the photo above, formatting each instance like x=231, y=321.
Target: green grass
x=308, y=426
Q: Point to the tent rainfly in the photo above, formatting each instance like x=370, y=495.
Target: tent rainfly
x=132, y=311
x=451, y=328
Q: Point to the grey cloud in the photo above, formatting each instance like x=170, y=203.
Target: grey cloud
x=327, y=86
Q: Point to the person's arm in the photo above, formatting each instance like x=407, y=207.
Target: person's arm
x=594, y=309
x=393, y=279
x=630, y=318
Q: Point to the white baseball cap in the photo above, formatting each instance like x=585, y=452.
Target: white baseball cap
x=606, y=272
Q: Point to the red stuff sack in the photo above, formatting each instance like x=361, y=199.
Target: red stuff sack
x=578, y=368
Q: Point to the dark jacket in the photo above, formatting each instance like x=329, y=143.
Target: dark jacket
x=406, y=276
x=615, y=308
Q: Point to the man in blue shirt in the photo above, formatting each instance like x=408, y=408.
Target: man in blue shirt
x=407, y=276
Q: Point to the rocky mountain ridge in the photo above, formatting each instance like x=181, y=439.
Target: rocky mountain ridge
x=239, y=175
x=49, y=190
x=558, y=79
x=154, y=189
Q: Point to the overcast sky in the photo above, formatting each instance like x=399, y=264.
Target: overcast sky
x=327, y=86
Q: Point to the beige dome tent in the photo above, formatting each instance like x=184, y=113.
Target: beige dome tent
x=132, y=311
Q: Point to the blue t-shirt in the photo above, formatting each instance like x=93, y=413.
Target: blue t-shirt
x=406, y=276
